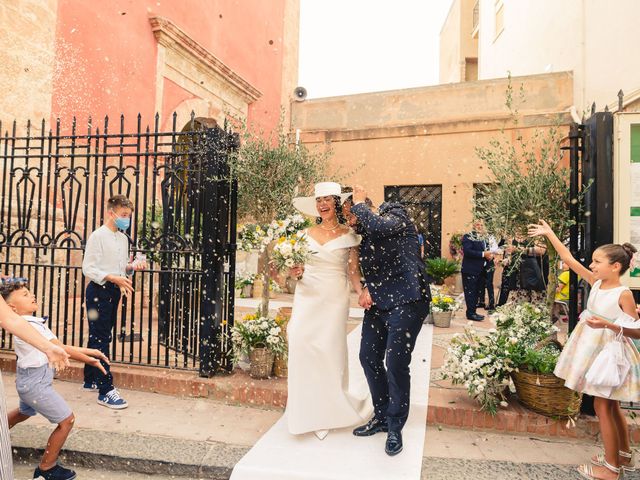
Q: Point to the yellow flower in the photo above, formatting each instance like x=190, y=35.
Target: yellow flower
x=293, y=242
x=281, y=240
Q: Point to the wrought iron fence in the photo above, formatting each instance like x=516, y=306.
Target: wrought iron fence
x=53, y=195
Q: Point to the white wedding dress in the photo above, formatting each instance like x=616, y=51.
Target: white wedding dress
x=318, y=385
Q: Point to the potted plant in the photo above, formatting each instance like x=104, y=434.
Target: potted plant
x=442, y=308
x=538, y=388
x=260, y=339
x=484, y=363
x=280, y=369
x=440, y=269
x=270, y=171
x=244, y=283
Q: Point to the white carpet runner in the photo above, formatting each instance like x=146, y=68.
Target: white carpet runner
x=281, y=456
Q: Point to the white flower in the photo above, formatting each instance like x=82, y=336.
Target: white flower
x=289, y=262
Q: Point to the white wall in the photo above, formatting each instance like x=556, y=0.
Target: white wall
x=592, y=38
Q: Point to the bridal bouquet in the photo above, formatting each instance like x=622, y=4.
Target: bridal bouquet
x=256, y=237
x=291, y=250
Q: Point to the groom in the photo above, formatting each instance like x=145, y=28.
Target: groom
x=396, y=298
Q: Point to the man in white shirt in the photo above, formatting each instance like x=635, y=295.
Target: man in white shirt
x=107, y=266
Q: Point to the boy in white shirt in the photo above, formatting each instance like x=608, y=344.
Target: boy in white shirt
x=107, y=266
x=34, y=380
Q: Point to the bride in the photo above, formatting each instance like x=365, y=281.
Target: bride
x=318, y=384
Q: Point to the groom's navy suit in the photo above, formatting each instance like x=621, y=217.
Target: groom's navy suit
x=396, y=279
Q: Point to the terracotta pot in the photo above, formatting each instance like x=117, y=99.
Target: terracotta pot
x=260, y=362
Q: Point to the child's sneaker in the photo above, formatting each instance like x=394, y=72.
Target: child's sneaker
x=56, y=473
x=90, y=386
x=113, y=400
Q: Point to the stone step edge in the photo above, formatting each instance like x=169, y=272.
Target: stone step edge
x=71, y=459
x=257, y=393
x=143, y=452
x=524, y=422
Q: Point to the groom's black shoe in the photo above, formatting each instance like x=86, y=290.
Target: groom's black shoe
x=374, y=426
x=394, y=443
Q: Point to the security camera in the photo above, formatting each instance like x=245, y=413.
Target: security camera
x=299, y=94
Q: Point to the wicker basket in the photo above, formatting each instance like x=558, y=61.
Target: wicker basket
x=280, y=368
x=546, y=394
x=260, y=362
x=442, y=319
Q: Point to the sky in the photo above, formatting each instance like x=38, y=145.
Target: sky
x=355, y=46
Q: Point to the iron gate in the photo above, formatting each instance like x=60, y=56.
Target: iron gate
x=53, y=195
x=424, y=205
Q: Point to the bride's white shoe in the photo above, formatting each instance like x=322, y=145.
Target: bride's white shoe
x=321, y=434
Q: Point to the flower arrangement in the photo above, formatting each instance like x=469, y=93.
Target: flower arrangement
x=250, y=236
x=290, y=250
x=256, y=237
x=244, y=280
x=443, y=303
x=255, y=331
x=484, y=362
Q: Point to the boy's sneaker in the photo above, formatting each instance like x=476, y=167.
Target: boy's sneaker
x=90, y=386
x=113, y=400
x=56, y=473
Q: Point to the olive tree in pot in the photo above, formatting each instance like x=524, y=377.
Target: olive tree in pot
x=528, y=182
x=271, y=170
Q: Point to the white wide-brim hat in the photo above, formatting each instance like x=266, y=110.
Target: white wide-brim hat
x=307, y=205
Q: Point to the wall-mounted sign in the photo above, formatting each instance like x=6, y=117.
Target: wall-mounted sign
x=627, y=185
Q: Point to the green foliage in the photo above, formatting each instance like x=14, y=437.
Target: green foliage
x=271, y=171
x=441, y=268
x=542, y=359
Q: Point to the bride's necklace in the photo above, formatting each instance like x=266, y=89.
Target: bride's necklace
x=329, y=229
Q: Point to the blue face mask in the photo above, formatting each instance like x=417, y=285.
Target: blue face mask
x=123, y=223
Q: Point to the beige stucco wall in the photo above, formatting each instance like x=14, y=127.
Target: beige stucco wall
x=27, y=29
x=456, y=42
x=427, y=136
x=450, y=46
x=290, y=44
x=588, y=37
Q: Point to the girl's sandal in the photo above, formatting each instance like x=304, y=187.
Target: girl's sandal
x=630, y=467
x=586, y=471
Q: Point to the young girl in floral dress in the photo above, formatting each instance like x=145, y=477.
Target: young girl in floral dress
x=611, y=309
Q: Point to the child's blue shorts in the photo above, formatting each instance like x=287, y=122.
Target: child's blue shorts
x=35, y=389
